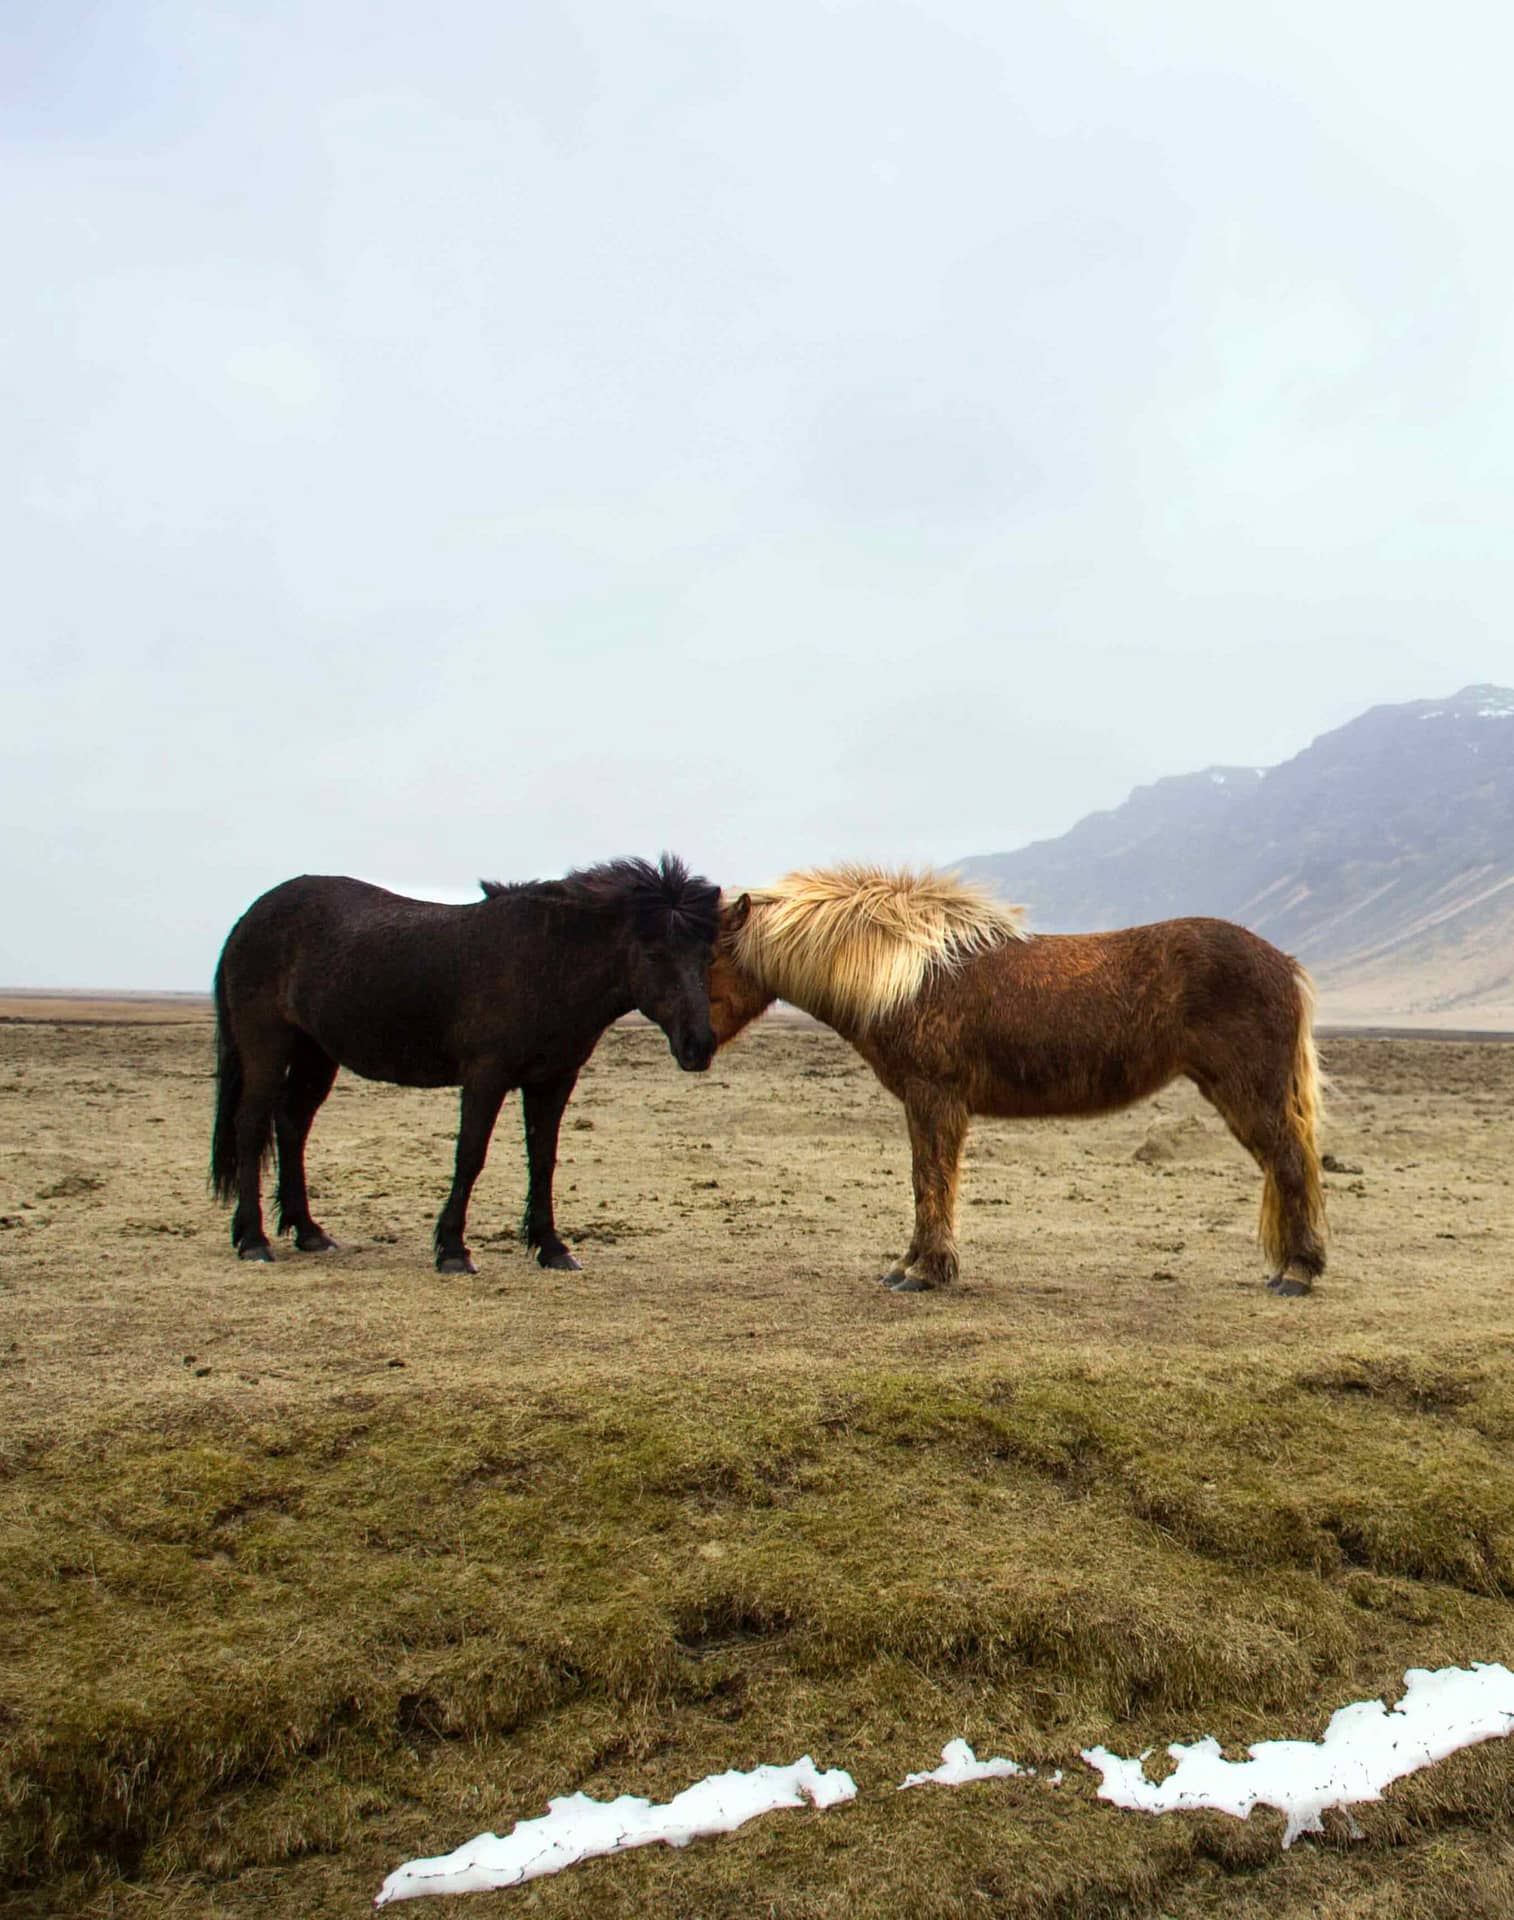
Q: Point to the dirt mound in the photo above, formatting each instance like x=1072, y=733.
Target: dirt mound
x=1184, y=1139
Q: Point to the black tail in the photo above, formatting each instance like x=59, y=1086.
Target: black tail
x=223, y=1141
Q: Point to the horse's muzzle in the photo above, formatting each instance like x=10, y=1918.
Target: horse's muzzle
x=694, y=1056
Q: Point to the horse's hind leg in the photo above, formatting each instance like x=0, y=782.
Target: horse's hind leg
x=937, y=1129
x=306, y=1085
x=542, y=1107
x=265, y=1058
x=1262, y=1114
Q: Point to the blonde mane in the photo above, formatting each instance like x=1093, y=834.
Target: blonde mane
x=852, y=944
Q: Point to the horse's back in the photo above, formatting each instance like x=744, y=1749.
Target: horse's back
x=373, y=978
x=1148, y=970
x=317, y=922
x=1086, y=1022
x=330, y=905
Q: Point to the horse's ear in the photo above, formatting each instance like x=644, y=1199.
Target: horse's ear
x=733, y=917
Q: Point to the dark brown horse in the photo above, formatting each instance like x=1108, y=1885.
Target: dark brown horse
x=959, y=1012
x=513, y=991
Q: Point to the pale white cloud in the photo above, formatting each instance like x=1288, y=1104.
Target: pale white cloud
x=478, y=443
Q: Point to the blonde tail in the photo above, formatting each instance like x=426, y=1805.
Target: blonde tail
x=1306, y=1105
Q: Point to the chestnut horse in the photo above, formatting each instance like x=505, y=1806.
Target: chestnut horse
x=959, y=1011
x=513, y=991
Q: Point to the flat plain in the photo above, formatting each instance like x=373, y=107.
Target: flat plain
x=314, y=1568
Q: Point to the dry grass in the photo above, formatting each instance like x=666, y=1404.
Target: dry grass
x=281, y=1613
x=101, y=1010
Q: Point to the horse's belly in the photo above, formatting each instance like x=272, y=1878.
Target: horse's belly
x=1002, y=1105
x=1044, y=1084
x=404, y=1060
x=401, y=1072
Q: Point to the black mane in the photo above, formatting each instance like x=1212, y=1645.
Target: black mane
x=665, y=903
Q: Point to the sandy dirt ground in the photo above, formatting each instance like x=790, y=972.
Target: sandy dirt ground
x=727, y=1222
x=731, y=1227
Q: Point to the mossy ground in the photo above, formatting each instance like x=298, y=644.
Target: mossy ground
x=280, y=1613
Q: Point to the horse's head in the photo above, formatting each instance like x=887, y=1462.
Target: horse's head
x=736, y=998
x=668, y=979
x=673, y=939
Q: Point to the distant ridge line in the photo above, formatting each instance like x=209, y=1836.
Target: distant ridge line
x=1382, y=855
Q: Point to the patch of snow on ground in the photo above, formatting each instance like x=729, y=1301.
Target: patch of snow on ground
x=1365, y=1749
x=960, y=1764
x=577, y=1828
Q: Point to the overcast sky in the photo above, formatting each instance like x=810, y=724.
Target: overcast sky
x=483, y=438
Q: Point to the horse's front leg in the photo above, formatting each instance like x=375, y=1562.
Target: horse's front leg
x=542, y=1107
x=481, y=1102
x=937, y=1129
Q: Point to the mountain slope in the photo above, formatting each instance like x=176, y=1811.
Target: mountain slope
x=1382, y=855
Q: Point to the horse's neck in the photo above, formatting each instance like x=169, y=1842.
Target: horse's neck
x=589, y=961
x=797, y=993
x=606, y=978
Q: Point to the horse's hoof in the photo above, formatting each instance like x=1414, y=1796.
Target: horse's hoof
x=322, y=1243
x=1288, y=1289
x=909, y=1283
x=559, y=1262
x=258, y=1250
x=456, y=1263
x=891, y=1278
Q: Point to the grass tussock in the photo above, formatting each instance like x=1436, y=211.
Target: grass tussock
x=242, y=1643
